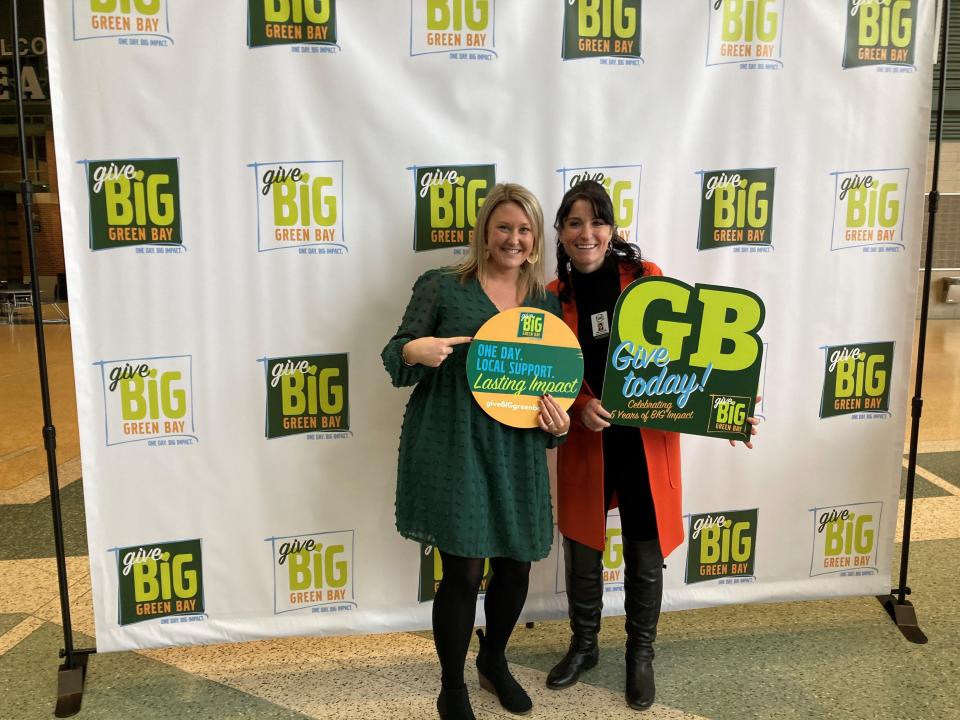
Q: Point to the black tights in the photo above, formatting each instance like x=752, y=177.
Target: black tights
x=455, y=604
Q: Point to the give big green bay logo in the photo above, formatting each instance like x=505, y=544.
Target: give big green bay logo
x=133, y=202
x=431, y=573
x=601, y=29
x=868, y=209
x=880, y=32
x=463, y=28
x=856, y=378
x=122, y=18
x=313, y=571
x=736, y=208
x=845, y=539
x=291, y=22
x=306, y=394
x=300, y=205
x=722, y=545
x=148, y=399
x=749, y=32
x=622, y=183
x=530, y=325
x=159, y=580
x=448, y=198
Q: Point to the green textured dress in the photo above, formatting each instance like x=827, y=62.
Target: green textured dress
x=465, y=483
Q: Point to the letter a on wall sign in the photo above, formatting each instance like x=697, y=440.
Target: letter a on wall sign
x=684, y=358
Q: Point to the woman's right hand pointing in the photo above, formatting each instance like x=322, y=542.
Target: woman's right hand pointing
x=430, y=351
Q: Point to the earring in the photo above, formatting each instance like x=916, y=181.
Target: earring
x=533, y=259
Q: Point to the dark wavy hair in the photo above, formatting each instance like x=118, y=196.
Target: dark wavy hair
x=623, y=253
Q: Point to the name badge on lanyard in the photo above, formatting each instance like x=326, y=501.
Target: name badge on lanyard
x=600, y=324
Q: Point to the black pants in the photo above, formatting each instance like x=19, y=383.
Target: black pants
x=625, y=472
x=455, y=604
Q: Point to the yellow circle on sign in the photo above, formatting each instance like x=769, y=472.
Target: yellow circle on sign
x=519, y=355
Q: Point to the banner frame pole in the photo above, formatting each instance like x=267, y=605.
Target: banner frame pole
x=71, y=675
x=901, y=610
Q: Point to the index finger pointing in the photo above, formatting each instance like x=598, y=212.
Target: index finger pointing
x=460, y=340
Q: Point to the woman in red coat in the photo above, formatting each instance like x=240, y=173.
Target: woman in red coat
x=602, y=466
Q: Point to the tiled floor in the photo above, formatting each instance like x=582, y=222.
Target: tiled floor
x=829, y=659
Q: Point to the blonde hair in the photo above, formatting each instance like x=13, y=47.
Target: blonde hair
x=531, y=273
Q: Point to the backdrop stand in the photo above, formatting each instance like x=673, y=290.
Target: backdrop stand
x=73, y=672
x=900, y=609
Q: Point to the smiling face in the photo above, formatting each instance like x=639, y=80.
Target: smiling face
x=585, y=237
x=510, y=237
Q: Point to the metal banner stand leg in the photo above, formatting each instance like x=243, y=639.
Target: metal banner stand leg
x=73, y=671
x=900, y=609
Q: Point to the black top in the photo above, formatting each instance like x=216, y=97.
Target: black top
x=596, y=296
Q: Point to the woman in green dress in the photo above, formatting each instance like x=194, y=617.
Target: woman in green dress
x=466, y=484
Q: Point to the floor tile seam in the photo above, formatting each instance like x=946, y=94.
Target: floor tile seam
x=55, y=600
x=208, y=668
x=75, y=582
x=237, y=684
x=17, y=453
x=239, y=688
x=936, y=480
x=57, y=622
x=946, y=500
x=20, y=632
x=37, y=488
x=933, y=446
x=83, y=560
x=29, y=372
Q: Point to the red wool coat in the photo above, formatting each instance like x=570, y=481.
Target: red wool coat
x=580, y=510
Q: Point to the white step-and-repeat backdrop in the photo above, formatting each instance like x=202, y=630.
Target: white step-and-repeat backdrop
x=250, y=189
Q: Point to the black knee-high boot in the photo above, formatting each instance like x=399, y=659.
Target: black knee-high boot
x=584, y=575
x=643, y=587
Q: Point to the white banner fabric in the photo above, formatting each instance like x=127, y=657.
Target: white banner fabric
x=249, y=191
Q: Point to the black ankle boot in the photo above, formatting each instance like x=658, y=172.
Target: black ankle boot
x=454, y=704
x=584, y=575
x=495, y=677
x=643, y=587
